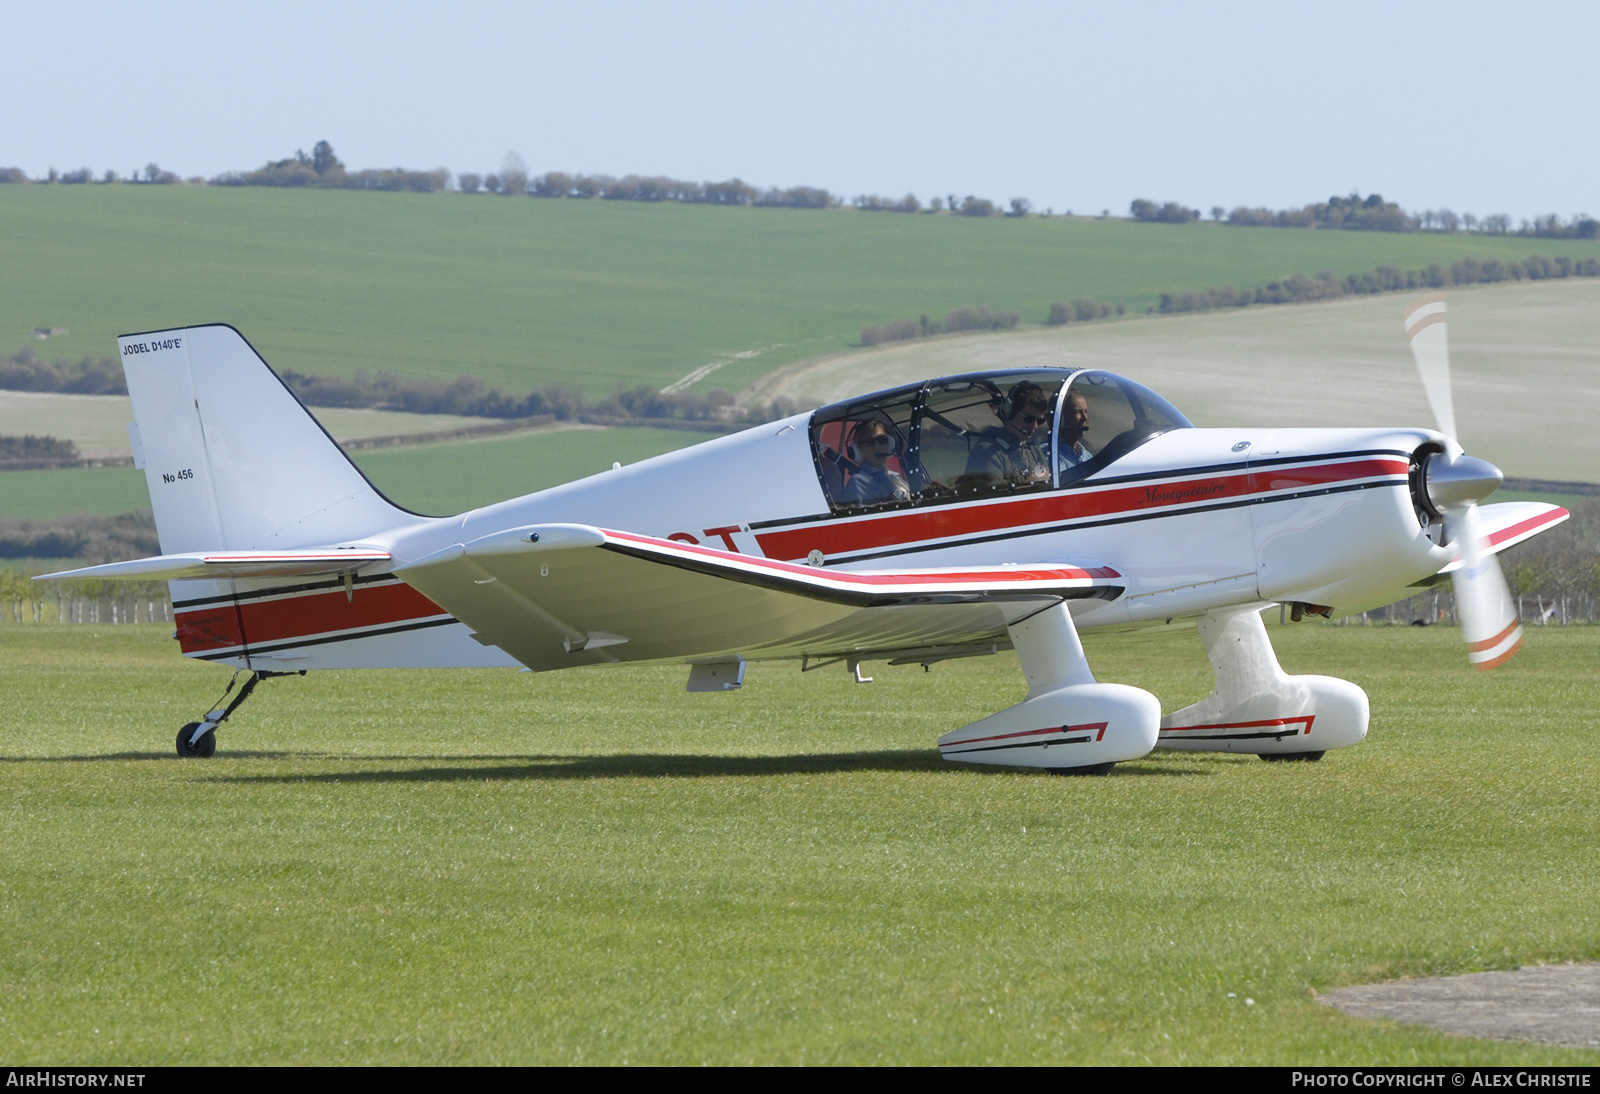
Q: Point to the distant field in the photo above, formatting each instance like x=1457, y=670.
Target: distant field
x=446, y=478
x=437, y=479
x=1526, y=361
x=595, y=867
x=524, y=292
x=40, y=495
x=99, y=423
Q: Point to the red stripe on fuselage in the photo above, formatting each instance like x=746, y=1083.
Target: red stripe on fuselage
x=1061, y=506
x=260, y=622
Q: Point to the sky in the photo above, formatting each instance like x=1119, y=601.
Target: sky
x=1481, y=108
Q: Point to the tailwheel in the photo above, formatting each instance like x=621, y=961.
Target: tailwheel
x=205, y=745
x=191, y=747
x=1091, y=769
x=1292, y=757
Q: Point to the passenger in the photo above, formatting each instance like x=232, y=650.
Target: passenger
x=870, y=448
x=1074, y=422
x=1017, y=450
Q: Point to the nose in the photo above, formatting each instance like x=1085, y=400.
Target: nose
x=1459, y=481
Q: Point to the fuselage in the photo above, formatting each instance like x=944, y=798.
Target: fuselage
x=1194, y=518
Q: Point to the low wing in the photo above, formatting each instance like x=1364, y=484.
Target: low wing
x=557, y=595
x=221, y=564
x=1508, y=523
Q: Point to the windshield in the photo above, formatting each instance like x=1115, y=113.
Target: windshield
x=1102, y=418
x=974, y=436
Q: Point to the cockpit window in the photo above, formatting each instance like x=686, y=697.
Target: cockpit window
x=989, y=435
x=979, y=436
x=1102, y=418
x=862, y=451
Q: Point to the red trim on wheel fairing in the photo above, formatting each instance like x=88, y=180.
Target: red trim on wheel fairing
x=1267, y=723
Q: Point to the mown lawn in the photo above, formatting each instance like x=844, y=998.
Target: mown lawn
x=492, y=867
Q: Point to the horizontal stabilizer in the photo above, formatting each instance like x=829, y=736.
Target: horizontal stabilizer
x=223, y=564
x=546, y=593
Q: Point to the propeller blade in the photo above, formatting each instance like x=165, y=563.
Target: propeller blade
x=1430, y=345
x=1488, y=618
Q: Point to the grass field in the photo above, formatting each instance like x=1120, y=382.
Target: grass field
x=98, y=424
x=438, y=479
x=595, y=867
x=1526, y=360
x=451, y=477
x=524, y=292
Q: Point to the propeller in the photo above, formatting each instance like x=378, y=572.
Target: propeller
x=1453, y=487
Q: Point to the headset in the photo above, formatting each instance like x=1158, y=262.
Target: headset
x=853, y=450
x=1021, y=394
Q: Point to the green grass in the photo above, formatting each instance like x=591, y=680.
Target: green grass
x=524, y=292
x=451, y=477
x=594, y=867
x=444, y=478
x=41, y=495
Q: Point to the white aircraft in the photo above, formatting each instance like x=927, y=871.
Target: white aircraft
x=944, y=519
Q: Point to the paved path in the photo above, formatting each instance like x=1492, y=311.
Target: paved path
x=1551, y=1004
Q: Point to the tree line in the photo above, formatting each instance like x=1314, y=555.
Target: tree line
x=25, y=370
x=470, y=397
x=28, y=450
x=85, y=536
x=1373, y=214
x=1300, y=289
x=322, y=168
x=956, y=320
x=1295, y=289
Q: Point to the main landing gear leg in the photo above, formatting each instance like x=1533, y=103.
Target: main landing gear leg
x=198, y=740
x=1068, y=724
x=1258, y=708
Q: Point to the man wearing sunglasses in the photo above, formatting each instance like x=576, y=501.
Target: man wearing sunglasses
x=870, y=448
x=1015, y=452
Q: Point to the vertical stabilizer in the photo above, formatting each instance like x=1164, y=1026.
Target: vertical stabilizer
x=232, y=459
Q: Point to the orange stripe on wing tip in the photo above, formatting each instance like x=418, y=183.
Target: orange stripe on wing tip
x=1485, y=666
x=1423, y=301
x=1423, y=324
x=1491, y=643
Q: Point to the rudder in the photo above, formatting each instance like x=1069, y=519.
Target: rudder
x=232, y=459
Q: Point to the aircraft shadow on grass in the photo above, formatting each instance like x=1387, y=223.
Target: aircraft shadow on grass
x=655, y=765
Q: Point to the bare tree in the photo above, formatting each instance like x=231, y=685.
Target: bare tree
x=513, y=174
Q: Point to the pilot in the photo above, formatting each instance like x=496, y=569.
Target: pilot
x=1017, y=450
x=1074, y=423
x=870, y=448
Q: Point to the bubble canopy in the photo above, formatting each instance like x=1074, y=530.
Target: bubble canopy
x=981, y=434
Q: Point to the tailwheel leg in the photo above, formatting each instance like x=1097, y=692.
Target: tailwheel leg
x=198, y=740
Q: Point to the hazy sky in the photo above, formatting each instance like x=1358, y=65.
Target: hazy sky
x=1478, y=107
